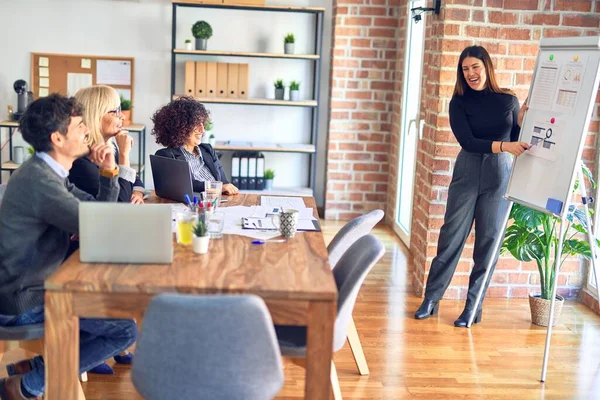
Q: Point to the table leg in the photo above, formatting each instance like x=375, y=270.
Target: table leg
x=319, y=349
x=61, y=354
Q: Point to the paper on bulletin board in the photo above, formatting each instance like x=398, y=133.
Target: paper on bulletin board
x=113, y=72
x=44, y=72
x=44, y=82
x=43, y=92
x=44, y=62
x=86, y=63
x=77, y=81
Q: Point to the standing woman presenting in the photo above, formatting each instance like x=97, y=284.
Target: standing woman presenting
x=486, y=121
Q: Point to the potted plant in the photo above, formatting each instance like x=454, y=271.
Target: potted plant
x=288, y=43
x=202, y=31
x=200, y=239
x=206, y=138
x=279, y=89
x=188, y=44
x=294, y=91
x=532, y=236
x=269, y=176
x=126, y=111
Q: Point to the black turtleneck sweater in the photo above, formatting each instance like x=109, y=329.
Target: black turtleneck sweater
x=479, y=118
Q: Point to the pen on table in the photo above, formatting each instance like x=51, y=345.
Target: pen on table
x=260, y=241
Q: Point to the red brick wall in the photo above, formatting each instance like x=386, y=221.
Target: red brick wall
x=363, y=78
x=510, y=30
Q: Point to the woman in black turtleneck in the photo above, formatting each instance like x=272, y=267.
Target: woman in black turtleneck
x=486, y=121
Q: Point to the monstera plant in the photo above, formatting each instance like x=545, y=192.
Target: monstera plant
x=533, y=236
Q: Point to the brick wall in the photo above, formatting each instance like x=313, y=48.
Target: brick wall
x=367, y=80
x=510, y=30
x=364, y=60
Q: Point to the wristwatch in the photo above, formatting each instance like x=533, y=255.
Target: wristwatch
x=109, y=173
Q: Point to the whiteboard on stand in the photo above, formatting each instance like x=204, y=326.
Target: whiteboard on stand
x=561, y=100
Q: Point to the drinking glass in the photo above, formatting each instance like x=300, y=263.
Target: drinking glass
x=185, y=224
x=216, y=221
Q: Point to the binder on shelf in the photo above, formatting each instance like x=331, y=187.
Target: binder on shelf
x=252, y=171
x=190, y=78
x=244, y=172
x=211, y=79
x=232, y=80
x=221, y=80
x=235, y=169
x=260, y=172
x=243, y=71
x=200, y=79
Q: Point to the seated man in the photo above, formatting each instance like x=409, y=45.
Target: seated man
x=38, y=213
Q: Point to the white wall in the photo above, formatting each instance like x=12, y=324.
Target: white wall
x=142, y=29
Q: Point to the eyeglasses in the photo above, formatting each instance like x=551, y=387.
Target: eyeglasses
x=116, y=111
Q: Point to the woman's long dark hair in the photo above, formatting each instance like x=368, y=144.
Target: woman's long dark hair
x=481, y=54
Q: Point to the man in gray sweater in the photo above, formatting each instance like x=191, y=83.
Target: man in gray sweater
x=38, y=214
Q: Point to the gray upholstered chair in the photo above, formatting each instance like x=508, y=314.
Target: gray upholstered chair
x=349, y=273
x=27, y=337
x=207, y=347
x=2, y=190
x=341, y=242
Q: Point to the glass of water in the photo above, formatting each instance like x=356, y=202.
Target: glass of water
x=216, y=221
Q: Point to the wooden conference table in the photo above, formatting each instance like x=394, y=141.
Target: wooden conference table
x=293, y=278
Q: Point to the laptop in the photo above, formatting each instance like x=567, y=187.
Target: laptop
x=125, y=233
x=172, y=178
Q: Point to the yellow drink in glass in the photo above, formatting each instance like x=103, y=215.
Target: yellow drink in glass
x=185, y=224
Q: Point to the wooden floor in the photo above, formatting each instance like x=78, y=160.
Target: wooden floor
x=498, y=359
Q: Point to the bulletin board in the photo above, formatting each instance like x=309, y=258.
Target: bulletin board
x=561, y=101
x=66, y=73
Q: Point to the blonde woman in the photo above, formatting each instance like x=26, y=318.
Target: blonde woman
x=102, y=115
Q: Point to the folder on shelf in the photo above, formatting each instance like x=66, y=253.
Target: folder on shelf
x=243, y=71
x=260, y=172
x=235, y=169
x=211, y=79
x=232, y=80
x=190, y=78
x=252, y=171
x=244, y=172
x=221, y=80
x=200, y=79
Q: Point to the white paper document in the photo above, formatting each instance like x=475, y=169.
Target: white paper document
x=76, y=82
x=113, y=72
x=545, y=84
x=282, y=201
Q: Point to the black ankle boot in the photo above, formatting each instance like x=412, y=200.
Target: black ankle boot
x=463, y=319
x=429, y=307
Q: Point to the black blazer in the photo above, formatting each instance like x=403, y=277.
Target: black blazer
x=85, y=175
x=210, y=159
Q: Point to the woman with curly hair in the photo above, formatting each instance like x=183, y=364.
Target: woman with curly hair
x=179, y=126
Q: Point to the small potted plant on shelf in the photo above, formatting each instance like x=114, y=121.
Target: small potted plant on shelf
x=126, y=111
x=294, y=90
x=269, y=176
x=188, y=44
x=210, y=137
x=202, y=31
x=288, y=43
x=200, y=239
x=279, y=89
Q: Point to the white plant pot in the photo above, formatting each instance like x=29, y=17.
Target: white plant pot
x=200, y=244
x=189, y=46
x=288, y=48
x=294, y=95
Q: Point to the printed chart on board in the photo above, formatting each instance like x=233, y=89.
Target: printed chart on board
x=555, y=95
